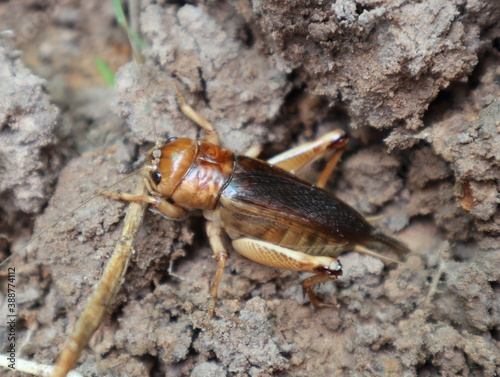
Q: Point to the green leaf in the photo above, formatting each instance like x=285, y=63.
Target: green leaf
x=105, y=71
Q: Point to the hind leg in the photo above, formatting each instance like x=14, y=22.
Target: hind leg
x=296, y=159
x=325, y=268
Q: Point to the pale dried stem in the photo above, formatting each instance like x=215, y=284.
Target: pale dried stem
x=106, y=290
x=31, y=367
x=433, y=289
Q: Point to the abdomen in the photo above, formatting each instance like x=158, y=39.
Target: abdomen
x=269, y=204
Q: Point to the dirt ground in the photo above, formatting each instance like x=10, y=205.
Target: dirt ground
x=415, y=84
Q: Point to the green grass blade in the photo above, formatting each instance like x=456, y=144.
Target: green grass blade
x=105, y=71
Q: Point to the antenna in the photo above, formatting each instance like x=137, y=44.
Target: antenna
x=66, y=215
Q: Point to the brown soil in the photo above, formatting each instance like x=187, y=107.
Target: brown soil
x=416, y=86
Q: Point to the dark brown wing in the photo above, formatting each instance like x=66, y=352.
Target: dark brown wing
x=268, y=203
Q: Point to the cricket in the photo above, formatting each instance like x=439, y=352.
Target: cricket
x=272, y=216
x=261, y=209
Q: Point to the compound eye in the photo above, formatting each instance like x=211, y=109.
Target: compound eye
x=156, y=177
x=170, y=139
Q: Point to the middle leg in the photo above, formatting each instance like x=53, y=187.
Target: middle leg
x=211, y=134
x=220, y=255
